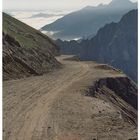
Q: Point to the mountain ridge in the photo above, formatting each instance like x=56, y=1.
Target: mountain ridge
x=82, y=100
x=87, y=21
x=115, y=44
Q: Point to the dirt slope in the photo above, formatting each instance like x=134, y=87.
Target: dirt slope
x=65, y=105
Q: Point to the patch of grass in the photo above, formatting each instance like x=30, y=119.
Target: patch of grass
x=26, y=36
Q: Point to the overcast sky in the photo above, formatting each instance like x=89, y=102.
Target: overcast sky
x=50, y=4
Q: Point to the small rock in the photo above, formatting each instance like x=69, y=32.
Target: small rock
x=49, y=127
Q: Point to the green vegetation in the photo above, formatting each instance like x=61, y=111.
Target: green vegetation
x=26, y=36
x=26, y=51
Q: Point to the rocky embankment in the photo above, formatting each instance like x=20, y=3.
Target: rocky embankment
x=121, y=92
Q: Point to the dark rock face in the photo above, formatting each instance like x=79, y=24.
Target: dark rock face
x=87, y=21
x=68, y=47
x=114, y=44
x=20, y=57
x=123, y=87
x=121, y=92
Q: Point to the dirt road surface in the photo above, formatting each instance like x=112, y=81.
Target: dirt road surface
x=54, y=106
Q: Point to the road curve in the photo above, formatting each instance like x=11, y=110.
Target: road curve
x=54, y=107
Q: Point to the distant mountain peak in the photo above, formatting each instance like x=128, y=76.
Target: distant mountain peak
x=120, y=1
x=121, y=4
x=90, y=19
x=88, y=7
x=91, y=7
x=101, y=4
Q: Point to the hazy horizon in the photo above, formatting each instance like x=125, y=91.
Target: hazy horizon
x=51, y=4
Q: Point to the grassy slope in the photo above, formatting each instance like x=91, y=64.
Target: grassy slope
x=28, y=47
x=24, y=34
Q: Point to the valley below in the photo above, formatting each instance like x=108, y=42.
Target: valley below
x=74, y=102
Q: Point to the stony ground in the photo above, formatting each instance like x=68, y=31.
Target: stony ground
x=54, y=106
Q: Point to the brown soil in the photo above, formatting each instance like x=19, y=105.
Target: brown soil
x=54, y=106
